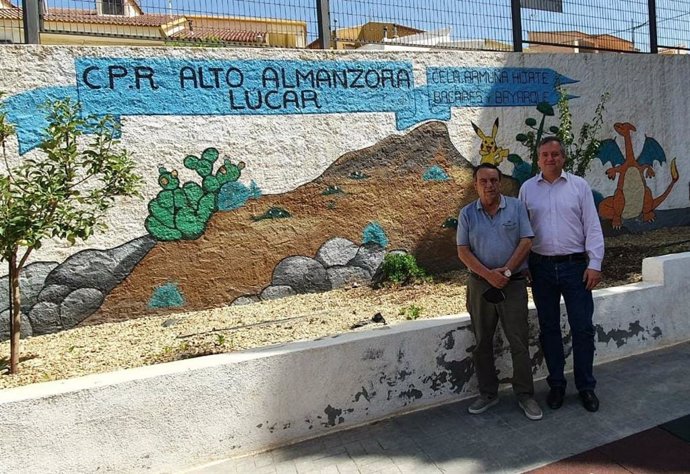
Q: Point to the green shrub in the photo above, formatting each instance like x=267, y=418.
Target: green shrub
x=411, y=312
x=402, y=269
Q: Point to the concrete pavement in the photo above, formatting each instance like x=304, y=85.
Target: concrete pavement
x=636, y=393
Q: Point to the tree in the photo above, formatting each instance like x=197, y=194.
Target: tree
x=582, y=151
x=63, y=194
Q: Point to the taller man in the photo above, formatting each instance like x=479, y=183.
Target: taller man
x=566, y=257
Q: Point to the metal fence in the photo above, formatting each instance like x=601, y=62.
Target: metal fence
x=636, y=26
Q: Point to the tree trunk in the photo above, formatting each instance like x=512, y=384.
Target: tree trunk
x=15, y=314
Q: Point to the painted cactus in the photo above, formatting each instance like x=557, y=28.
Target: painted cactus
x=162, y=209
x=182, y=213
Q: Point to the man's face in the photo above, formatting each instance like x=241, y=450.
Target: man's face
x=551, y=159
x=487, y=183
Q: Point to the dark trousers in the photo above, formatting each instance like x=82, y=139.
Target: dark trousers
x=513, y=316
x=550, y=280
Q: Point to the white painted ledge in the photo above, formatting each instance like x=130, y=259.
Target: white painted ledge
x=165, y=417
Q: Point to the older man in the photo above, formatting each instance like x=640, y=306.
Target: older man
x=494, y=238
x=566, y=258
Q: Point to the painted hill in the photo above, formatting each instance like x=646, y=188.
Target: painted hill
x=408, y=185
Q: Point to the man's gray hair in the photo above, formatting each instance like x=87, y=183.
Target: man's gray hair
x=546, y=140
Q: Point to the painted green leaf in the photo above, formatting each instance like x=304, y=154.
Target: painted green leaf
x=545, y=108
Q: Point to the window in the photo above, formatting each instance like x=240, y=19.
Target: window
x=110, y=7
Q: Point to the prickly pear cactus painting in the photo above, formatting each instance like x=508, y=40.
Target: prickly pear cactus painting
x=181, y=213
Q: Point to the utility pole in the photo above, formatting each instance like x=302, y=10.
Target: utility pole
x=31, y=16
x=653, y=39
x=517, y=25
x=323, y=15
x=632, y=32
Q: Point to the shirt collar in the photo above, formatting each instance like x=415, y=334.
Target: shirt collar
x=501, y=205
x=564, y=175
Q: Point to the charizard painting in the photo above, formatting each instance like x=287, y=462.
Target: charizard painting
x=632, y=196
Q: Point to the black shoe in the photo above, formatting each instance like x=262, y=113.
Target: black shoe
x=555, y=397
x=589, y=400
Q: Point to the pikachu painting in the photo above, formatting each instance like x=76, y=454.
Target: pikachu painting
x=489, y=150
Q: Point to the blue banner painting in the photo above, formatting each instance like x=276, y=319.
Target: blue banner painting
x=161, y=86
x=492, y=87
x=202, y=87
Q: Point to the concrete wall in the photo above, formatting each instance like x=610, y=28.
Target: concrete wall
x=183, y=413
x=284, y=156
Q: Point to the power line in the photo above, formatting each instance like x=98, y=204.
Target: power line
x=633, y=28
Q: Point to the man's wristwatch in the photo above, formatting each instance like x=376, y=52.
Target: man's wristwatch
x=507, y=273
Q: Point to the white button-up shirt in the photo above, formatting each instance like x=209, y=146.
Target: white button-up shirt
x=564, y=217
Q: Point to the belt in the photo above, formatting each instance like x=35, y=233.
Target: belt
x=572, y=257
x=516, y=277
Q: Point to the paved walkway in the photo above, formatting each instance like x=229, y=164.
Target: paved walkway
x=637, y=394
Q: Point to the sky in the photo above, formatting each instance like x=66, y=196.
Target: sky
x=469, y=19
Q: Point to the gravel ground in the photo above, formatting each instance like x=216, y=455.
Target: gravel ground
x=157, y=339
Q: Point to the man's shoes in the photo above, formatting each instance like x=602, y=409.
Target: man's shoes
x=589, y=400
x=531, y=408
x=555, y=397
x=481, y=404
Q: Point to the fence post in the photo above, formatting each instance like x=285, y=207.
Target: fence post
x=32, y=21
x=517, y=25
x=653, y=39
x=323, y=13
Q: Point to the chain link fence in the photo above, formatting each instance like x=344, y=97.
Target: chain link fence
x=634, y=26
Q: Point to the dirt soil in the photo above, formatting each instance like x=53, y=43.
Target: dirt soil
x=157, y=339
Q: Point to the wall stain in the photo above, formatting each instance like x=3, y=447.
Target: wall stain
x=372, y=354
x=568, y=344
x=448, y=340
x=364, y=394
x=619, y=336
x=402, y=375
x=309, y=422
x=333, y=414
x=383, y=378
x=456, y=372
x=537, y=359
x=412, y=393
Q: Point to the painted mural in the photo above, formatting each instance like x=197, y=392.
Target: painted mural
x=489, y=150
x=212, y=237
x=633, y=197
x=182, y=212
x=329, y=233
